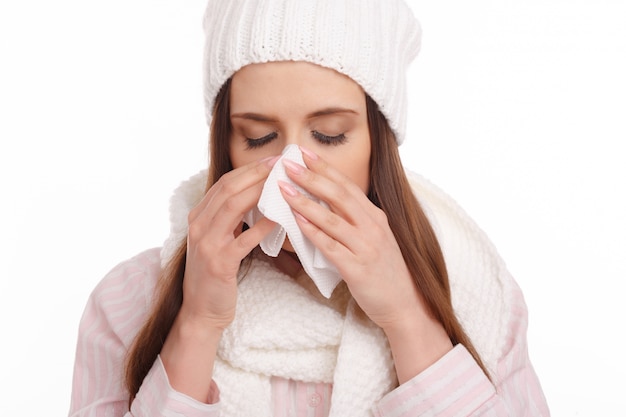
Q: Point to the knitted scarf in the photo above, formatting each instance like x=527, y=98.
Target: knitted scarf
x=281, y=329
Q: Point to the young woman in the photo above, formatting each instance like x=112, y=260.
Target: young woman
x=384, y=298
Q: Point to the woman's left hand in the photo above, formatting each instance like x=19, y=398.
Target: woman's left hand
x=355, y=236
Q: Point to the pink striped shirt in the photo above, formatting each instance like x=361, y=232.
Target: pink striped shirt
x=453, y=386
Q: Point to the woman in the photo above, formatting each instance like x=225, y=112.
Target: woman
x=374, y=305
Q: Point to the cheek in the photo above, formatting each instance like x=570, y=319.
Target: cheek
x=360, y=174
x=239, y=155
x=353, y=162
x=360, y=164
x=236, y=161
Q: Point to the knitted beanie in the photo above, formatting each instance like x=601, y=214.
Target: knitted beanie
x=370, y=41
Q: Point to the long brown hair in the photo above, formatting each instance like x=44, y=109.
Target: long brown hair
x=389, y=190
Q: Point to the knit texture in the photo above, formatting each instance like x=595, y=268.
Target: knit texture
x=280, y=329
x=371, y=41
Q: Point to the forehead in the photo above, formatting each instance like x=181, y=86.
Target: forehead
x=292, y=86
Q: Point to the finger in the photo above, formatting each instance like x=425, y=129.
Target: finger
x=338, y=191
x=225, y=218
x=233, y=182
x=331, y=224
x=335, y=251
x=323, y=168
x=249, y=239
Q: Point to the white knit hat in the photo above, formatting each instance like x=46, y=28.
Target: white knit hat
x=370, y=41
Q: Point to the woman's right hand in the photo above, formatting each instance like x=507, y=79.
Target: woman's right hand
x=216, y=245
x=215, y=248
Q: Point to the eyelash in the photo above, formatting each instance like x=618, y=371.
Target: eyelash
x=329, y=140
x=253, y=143
x=258, y=142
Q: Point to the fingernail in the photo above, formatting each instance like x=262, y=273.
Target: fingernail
x=309, y=153
x=288, y=188
x=293, y=167
x=270, y=160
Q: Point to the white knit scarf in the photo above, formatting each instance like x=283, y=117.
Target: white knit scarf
x=281, y=330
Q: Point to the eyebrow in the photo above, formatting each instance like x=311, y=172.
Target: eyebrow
x=319, y=113
x=329, y=111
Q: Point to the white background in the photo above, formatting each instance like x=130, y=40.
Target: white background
x=517, y=109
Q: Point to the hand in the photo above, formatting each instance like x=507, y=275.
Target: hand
x=215, y=248
x=216, y=245
x=355, y=236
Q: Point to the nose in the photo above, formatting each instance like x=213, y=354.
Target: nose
x=294, y=136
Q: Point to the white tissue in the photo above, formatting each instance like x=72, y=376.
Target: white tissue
x=273, y=206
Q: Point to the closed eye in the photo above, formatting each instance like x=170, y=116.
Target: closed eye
x=253, y=143
x=329, y=140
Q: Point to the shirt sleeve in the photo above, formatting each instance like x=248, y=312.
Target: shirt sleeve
x=455, y=386
x=115, y=311
x=157, y=398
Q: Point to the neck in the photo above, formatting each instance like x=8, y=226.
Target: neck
x=288, y=263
